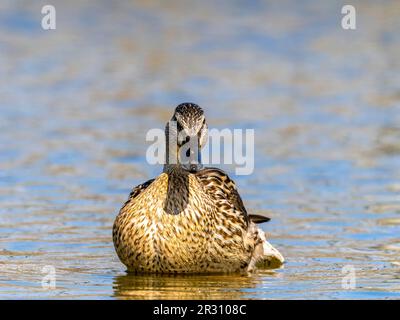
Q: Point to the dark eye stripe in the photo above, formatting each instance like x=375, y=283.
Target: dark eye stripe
x=201, y=129
x=179, y=127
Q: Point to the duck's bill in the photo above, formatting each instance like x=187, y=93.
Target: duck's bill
x=194, y=167
x=191, y=160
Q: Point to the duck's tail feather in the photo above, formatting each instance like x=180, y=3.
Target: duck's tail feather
x=258, y=218
x=265, y=256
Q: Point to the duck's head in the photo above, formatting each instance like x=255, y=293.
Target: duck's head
x=186, y=135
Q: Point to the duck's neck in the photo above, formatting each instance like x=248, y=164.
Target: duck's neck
x=172, y=157
x=173, y=169
x=172, y=164
x=177, y=197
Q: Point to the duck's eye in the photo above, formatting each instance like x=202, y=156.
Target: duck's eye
x=188, y=153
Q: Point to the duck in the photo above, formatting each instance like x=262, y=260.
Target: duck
x=191, y=218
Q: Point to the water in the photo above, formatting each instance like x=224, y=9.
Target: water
x=77, y=102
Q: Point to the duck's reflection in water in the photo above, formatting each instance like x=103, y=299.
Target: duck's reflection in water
x=144, y=286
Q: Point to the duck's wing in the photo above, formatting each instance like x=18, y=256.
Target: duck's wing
x=219, y=185
x=139, y=189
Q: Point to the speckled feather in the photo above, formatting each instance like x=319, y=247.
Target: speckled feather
x=189, y=222
x=210, y=233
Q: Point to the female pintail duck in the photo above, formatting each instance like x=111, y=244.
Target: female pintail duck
x=190, y=219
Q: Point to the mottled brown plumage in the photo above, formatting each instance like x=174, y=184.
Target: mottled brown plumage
x=190, y=220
